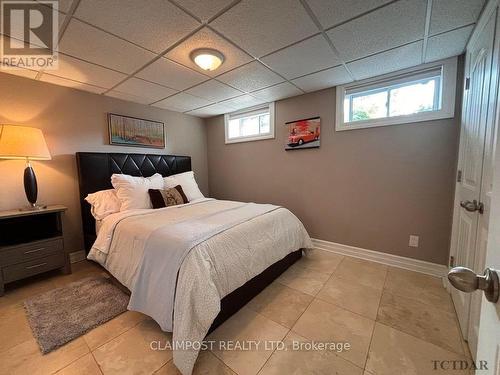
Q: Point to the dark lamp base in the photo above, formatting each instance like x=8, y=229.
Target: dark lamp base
x=30, y=185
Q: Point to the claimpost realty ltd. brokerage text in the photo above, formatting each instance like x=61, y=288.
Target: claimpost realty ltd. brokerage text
x=251, y=345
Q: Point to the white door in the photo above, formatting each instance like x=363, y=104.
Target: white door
x=481, y=324
x=490, y=99
x=469, y=188
x=488, y=316
x=488, y=328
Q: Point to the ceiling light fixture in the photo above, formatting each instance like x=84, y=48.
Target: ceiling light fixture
x=207, y=58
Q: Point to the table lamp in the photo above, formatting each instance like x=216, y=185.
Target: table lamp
x=23, y=142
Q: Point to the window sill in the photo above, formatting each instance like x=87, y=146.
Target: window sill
x=400, y=120
x=250, y=139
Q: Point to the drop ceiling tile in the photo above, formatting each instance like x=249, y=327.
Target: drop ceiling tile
x=386, y=62
x=206, y=38
x=450, y=14
x=70, y=83
x=213, y=91
x=26, y=73
x=61, y=19
x=91, y=44
x=152, y=24
x=128, y=97
x=64, y=5
x=171, y=74
x=182, y=102
x=399, y=23
x=212, y=110
x=333, y=12
x=306, y=57
x=138, y=87
x=204, y=10
x=448, y=44
x=263, y=26
x=280, y=91
x=324, y=79
x=250, y=77
x=81, y=71
x=243, y=101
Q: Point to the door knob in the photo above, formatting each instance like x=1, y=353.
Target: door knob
x=466, y=280
x=472, y=206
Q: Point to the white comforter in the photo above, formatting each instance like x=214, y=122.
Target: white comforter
x=213, y=268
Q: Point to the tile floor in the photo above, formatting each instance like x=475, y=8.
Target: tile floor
x=396, y=322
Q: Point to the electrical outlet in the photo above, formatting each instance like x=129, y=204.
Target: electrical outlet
x=413, y=241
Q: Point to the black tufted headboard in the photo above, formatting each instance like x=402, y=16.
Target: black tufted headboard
x=95, y=170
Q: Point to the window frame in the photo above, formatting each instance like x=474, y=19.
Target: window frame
x=242, y=113
x=447, y=93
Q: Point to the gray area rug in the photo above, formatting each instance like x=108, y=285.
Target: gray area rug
x=63, y=314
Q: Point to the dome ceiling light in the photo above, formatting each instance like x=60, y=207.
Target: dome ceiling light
x=207, y=58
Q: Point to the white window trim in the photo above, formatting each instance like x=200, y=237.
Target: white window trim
x=448, y=93
x=251, y=138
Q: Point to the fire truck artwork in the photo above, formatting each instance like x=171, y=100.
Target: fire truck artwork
x=303, y=134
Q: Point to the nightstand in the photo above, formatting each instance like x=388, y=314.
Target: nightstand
x=31, y=242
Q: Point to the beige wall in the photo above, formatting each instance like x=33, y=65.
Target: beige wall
x=74, y=121
x=369, y=188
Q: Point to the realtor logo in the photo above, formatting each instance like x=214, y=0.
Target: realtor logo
x=30, y=32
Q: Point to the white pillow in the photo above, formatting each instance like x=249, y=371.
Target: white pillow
x=133, y=191
x=103, y=203
x=188, y=184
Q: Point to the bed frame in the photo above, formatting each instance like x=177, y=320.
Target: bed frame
x=94, y=174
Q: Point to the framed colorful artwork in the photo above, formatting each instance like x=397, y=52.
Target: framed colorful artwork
x=302, y=134
x=131, y=131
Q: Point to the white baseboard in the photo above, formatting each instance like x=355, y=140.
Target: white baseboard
x=77, y=256
x=421, y=266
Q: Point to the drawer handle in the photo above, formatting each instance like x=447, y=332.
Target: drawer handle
x=34, y=250
x=36, y=266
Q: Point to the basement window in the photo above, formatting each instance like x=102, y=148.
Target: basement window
x=421, y=94
x=251, y=124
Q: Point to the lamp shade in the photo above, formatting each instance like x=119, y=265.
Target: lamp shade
x=22, y=142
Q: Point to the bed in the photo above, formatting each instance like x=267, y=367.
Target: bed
x=246, y=226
